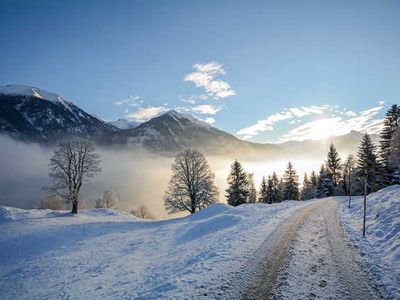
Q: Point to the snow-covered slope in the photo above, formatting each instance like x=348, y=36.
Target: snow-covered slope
x=32, y=114
x=100, y=254
x=381, y=247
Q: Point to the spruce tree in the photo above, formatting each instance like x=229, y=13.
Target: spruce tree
x=251, y=189
x=237, y=191
x=394, y=159
x=277, y=188
x=367, y=164
x=263, y=191
x=307, y=192
x=291, y=184
x=280, y=190
x=390, y=124
x=333, y=165
x=349, y=176
x=270, y=191
x=324, y=184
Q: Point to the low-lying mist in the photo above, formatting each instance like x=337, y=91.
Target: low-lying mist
x=136, y=176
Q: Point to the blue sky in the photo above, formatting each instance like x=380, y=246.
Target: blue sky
x=262, y=70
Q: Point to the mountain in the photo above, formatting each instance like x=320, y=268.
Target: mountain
x=124, y=124
x=32, y=114
x=174, y=131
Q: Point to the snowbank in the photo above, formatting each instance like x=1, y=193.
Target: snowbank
x=105, y=254
x=381, y=247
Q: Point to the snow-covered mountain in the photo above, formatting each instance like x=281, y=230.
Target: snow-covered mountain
x=174, y=131
x=124, y=124
x=32, y=114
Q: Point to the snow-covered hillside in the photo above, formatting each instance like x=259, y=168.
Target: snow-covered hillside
x=105, y=254
x=381, y=247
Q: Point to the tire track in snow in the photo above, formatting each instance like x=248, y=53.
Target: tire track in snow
x=311, y=257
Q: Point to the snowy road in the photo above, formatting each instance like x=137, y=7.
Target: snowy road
x=311, y=257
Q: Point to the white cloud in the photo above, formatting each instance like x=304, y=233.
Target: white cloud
x=363, y=121
x=290, y=113
x=206, y=109
x=205, y=77
x=264, y=125
x=144, y=114
x=131, y=101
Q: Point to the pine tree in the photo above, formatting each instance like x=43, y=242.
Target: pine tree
x=277, y=188
x=270, y=191
x=280, y=190
x=263, y=191
x=367, y=164
x=251, y=189
x=307, y=192
x=237, y=181
x=333, y=165
x=394, y=159
x=324, y=184
x=390, y=124
x=313, y=179
x=291, y=184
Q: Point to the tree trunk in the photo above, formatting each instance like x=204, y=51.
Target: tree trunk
x=74, y=206
x=365, y=206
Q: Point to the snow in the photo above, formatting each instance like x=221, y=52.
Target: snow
x=30, y=91
x=108, y=254
x=124, y=124
x=381, y=247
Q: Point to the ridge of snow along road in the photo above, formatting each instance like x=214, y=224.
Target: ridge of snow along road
x=380, y=248
x=103, y=254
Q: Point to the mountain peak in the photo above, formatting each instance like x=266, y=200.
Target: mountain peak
x=31, y=91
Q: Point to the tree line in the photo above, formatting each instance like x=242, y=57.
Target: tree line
x=192, y=188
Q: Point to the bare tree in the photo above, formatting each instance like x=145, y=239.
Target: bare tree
x=72, y=164
x=349, y=167
x=191, y=187
x=109, y=200
x=142, y=212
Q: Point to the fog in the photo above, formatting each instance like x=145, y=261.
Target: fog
x=138, y=177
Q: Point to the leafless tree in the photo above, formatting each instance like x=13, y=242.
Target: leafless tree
x=349, y=168
x=109, y=200
x=142, y=212
x=191, y=187
x=72, y=164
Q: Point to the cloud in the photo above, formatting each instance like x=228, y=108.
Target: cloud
x=131, y=101
x=205, y=77
x=144, y=114
x=290, y=113
x=363, y=121
x=210, y=121
x=206, y=109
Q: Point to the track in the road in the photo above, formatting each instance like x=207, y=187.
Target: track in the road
x=308, y=257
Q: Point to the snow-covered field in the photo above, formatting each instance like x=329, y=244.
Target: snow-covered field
x=106, y=254
x=381, y=247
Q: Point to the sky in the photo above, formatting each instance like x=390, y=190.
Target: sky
x=265, y=71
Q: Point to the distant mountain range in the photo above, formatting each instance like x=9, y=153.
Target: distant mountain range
x=35, y=115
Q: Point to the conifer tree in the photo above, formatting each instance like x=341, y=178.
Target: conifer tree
x=324, y=184
x=307, y=192
x=270, y=191
x=251, y=189
x=280, y=190
x=390, y=124
x=394, y=159
x=237, y=191
x=263, y=191
x=277, y=188
x=291, y=184
x=367, y=164
x=313, y=179
x=333, y=165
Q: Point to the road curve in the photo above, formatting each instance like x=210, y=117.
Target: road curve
x=309, y=256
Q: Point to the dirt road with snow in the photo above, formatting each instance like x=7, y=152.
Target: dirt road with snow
x=309, y=257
